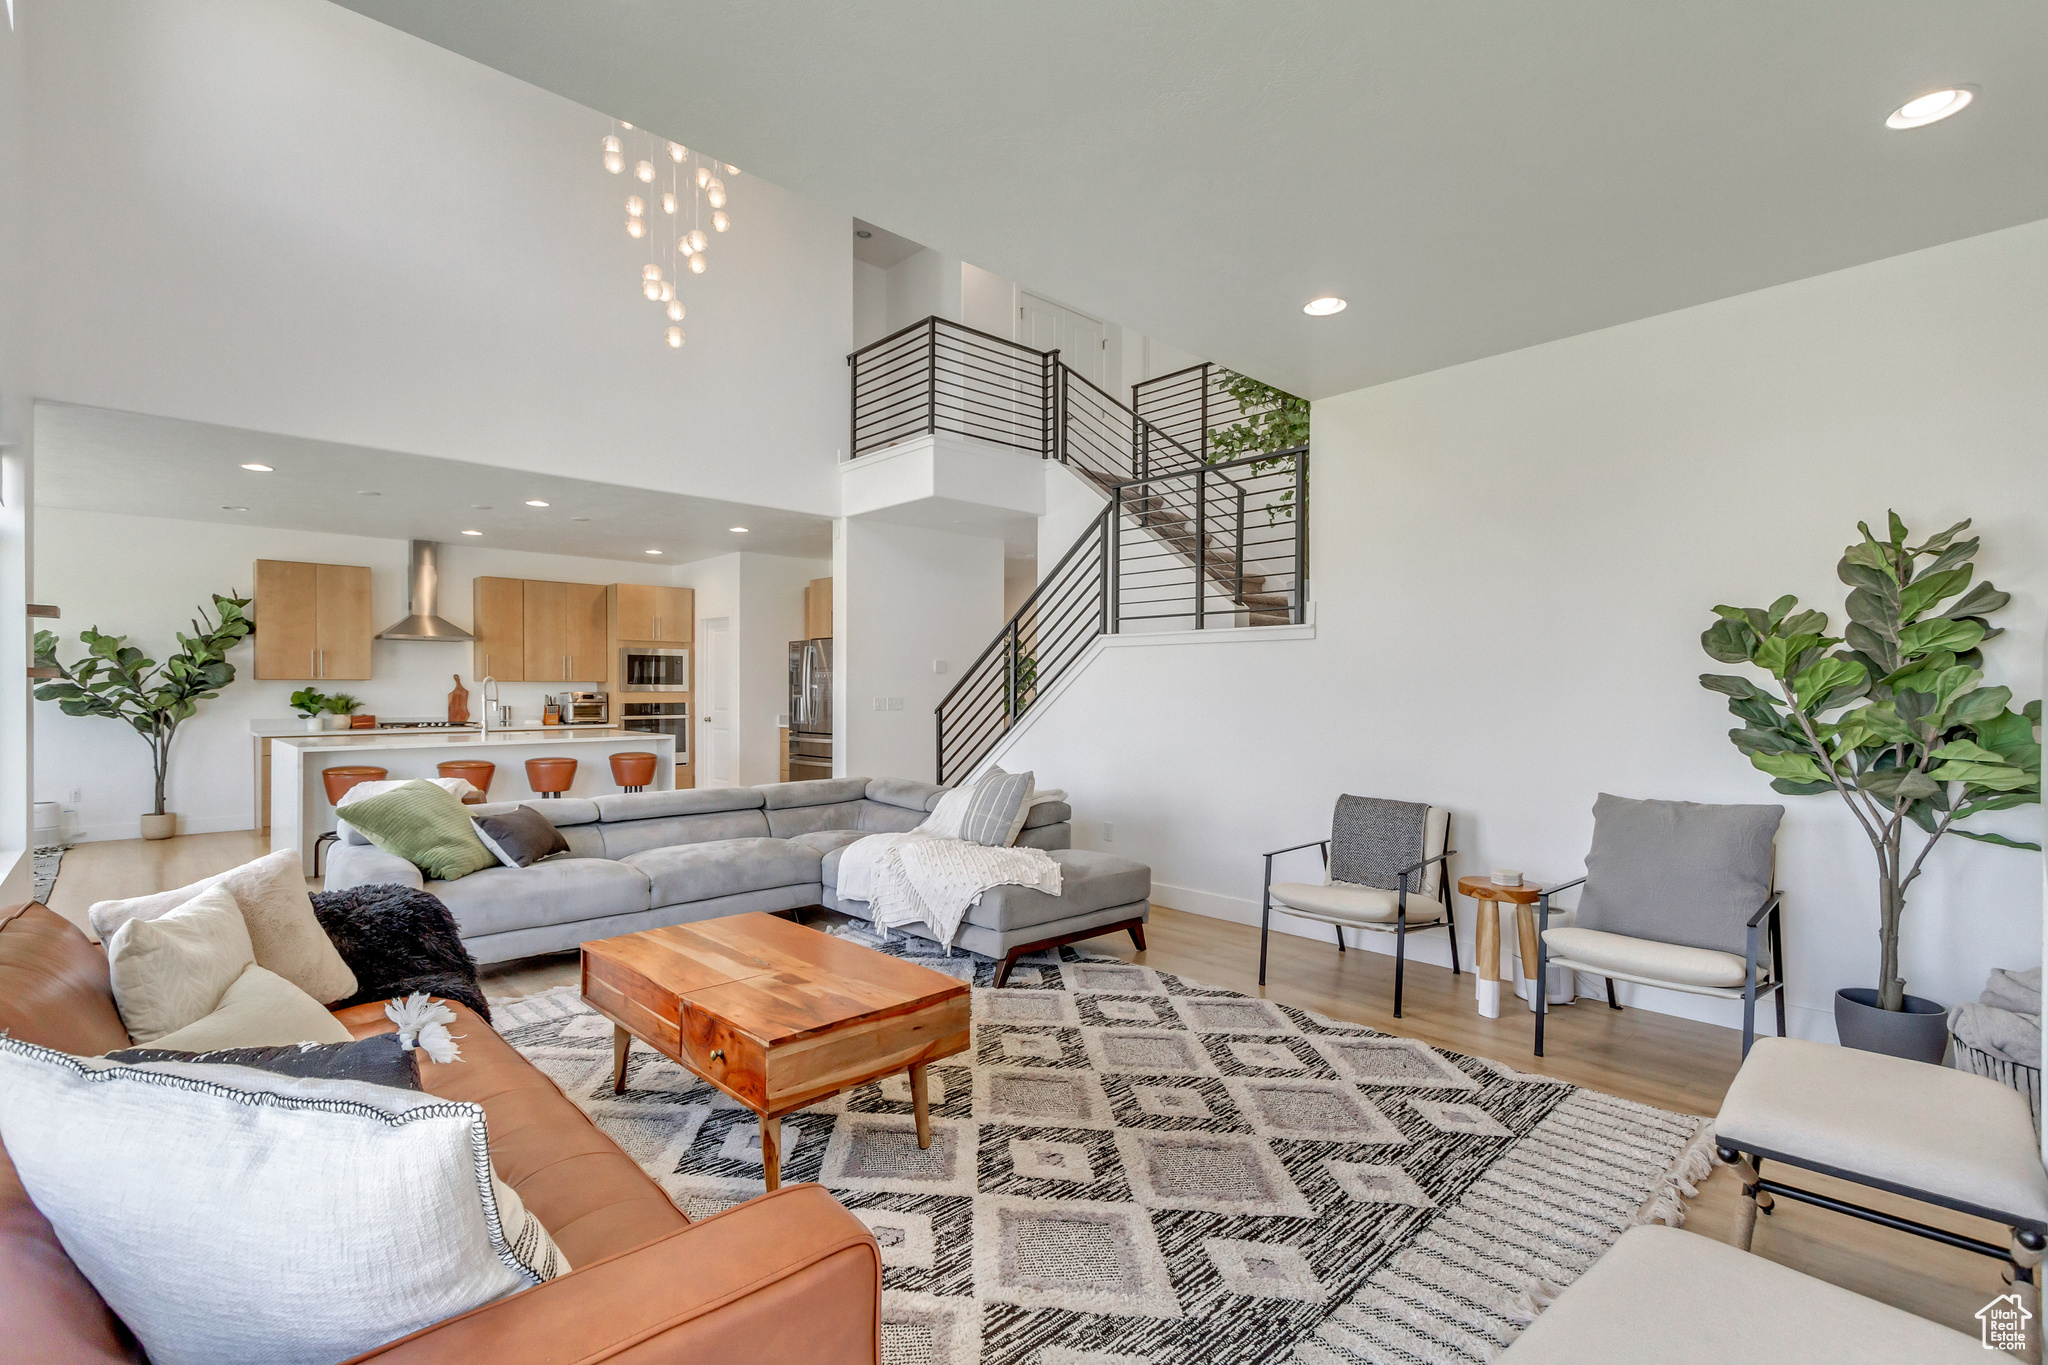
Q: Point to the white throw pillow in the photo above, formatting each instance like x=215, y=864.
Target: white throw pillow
x=170, y=971
x=1040, y=798
x=945, y=818
x=283, y=931
x=235, y=1217
x=261, y=1009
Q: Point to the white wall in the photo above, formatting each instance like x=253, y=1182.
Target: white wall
x=282, y=216
x=870, y=304
x=17, y=458
x=1512, y=563
x=904, y=597
x=148, y=591
x=763, y=597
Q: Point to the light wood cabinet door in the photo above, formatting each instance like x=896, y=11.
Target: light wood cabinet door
x=638, y=604
x=675, y=614
x=287, y=620
x=584, y=631
x=818, y=609
x=342, y=620
x=547, y=633
x=500, y=628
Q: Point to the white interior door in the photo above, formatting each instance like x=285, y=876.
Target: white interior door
x=714, y=701
x=1082, y=341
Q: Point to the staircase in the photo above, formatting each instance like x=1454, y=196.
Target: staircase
x=1180, y=544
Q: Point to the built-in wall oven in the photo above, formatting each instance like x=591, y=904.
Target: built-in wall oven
x=659, y=718
x=643, y=668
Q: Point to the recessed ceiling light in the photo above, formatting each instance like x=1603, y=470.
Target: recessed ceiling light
x=862, y=233
x=368, y=493
x=472, y=533
x=740, y=529
x=654, y=552
x=479, y=507
x=226, y=508
x=579, y=518
x=1323, y=307
x=259, y=468
x=1930, y=108
x=535, y=502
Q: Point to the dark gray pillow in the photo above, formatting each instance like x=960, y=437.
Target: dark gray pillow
x=1678, y=871
x=377, y=1059
x=520, y=837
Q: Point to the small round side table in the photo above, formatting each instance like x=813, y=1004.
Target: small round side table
x=1486, y=933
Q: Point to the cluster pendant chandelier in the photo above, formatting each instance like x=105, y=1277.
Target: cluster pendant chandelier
x=669, y=215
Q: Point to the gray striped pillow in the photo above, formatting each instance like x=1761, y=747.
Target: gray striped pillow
x=997, y=810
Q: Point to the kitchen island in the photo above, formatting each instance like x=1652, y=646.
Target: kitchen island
x=300, y=814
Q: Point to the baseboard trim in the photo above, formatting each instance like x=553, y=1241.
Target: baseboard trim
x=132, y=829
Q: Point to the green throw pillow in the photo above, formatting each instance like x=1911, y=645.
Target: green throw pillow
x=424, y=824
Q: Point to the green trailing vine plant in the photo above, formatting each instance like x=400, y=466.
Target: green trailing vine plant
x=1270, y=419
x=1914, y=738
x=120, y=682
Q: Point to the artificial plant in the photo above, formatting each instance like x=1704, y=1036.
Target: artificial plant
x=309, y=702
x=341, y=704
x=1270, y=419
x=1914, y=737
x=118, y=681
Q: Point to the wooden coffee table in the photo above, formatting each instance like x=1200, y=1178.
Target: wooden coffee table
x=776, y=1015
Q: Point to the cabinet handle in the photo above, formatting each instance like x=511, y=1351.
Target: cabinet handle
x=312, y=663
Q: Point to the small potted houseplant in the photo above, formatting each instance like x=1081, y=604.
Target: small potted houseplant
x=312, y=707
x=118, y=681
x=340, y=707
x=1897, y=724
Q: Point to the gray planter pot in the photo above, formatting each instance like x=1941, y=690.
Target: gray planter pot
x=1918, y=1032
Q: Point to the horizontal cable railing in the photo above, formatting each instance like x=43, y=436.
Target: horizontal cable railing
x=936, y=376
x=1213, y=547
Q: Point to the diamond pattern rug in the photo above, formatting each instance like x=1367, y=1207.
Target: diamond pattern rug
x=1129, y=1168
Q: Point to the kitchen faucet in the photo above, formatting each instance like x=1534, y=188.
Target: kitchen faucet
x=490, y=702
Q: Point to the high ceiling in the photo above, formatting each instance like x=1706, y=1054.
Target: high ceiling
x=1473, y=178
x=100, y=460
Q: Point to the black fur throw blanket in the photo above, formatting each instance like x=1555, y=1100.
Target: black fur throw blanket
x=398, y=940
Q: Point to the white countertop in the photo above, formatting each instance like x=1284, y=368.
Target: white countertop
x=310, y=742
x=278, y=729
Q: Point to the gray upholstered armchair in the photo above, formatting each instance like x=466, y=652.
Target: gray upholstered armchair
x=1378, y=853
x=1677, y=895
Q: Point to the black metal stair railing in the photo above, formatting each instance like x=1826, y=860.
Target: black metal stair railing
x=1182, y=544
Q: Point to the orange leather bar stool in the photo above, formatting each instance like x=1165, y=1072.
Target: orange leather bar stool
x=550, y=776
x=338, y=781
x=474, y=771
x=633, y=771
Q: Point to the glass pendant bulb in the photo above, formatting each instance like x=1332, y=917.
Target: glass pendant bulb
x=731, y=169
x=635, y=205
x=677, y=151
x=714, y=193
x=668, y=292
x=644, y=172
x=627, y=126
x=652, y=289
x=612, y=144
x=703, y=176
x=614, y=162
x=675, y=336
x=675, y=310
x=668, y=203
x=696, y=265
x=650, y=271
x=719, y=222
x=695, y=240
x=635, y=228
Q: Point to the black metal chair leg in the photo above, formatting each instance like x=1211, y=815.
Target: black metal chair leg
x=1400, y=958
x=1265, y=915
x=1542, y=995
x=1340, y=936
x=1612, y=1003
x=1451, y=928
x=1781, y=1010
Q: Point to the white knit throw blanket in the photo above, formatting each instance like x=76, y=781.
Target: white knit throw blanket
x=925, y=879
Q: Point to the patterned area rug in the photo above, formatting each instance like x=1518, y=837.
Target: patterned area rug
x=1129, y=1168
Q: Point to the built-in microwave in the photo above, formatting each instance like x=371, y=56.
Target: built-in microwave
x=642, y=668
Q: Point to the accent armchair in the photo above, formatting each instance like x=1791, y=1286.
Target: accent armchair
x=1678, y=895
x=1377, y=853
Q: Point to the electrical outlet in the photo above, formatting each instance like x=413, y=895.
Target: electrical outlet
x=1108, y=832
x=77, y=795
x=895, y=703
x=881, y=703
x=939, y=665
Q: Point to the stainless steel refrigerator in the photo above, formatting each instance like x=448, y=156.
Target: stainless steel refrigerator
x=810, y=709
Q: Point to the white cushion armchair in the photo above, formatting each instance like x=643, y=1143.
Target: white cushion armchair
x=1384, y=870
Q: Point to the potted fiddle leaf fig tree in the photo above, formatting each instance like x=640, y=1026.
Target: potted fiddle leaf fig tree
x=118, y=681
x=1897, y=724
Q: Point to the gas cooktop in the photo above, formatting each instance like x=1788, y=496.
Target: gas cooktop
x=425, y=725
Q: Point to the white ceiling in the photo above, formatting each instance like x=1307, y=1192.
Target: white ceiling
x=1473, y=177
x=96, y=459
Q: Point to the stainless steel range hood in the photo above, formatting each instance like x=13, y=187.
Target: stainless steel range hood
x=423, y=576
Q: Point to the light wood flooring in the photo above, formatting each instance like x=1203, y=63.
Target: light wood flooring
x=1650, y=1058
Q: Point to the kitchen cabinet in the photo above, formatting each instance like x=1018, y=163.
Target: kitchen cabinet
x=500, y=629
x=313, y=620
x=647, y=611
x=818, y=609
x=561, y=631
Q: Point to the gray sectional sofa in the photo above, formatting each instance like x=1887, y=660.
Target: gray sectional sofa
x=643, y=860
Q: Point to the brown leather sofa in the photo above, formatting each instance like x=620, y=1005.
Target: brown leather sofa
x=791, y=1276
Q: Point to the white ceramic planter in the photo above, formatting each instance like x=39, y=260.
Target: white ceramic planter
x=316, y=722
x=159, y=826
